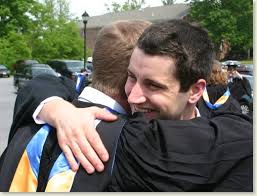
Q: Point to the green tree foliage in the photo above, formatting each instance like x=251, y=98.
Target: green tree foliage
x=168, y=2
x=55, y=34
x=62, y=42
x=16, y=15
x=128, y=5
x=38, y=29
x=13, y=47
x=229, y=20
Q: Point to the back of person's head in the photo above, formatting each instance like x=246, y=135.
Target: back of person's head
x=218, y=76
x=113, y=48
x=187, y=44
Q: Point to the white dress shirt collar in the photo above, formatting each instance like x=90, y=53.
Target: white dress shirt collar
x=197, y=112
x=93, y=95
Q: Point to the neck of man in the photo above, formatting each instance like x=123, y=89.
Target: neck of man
x=189, y=112
x=121, y=100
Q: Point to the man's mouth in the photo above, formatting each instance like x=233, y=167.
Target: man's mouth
x=149, y=113
x=142, y=109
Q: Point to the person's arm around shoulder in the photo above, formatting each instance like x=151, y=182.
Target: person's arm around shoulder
x=76, y=133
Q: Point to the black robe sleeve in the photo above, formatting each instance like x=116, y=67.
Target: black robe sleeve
x=36, y=91
x=185, y=155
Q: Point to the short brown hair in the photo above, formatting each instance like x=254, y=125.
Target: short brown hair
x=188, y=44
x=113, y=48
x=218, y=76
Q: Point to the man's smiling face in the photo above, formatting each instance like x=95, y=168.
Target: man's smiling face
x=152, y=88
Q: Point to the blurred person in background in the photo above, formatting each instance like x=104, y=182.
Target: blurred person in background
x=240, y=88
x=217, y=95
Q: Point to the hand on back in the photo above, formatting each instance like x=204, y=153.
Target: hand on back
x=76, y=133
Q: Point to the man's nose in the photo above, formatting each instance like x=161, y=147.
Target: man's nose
x=136, y=95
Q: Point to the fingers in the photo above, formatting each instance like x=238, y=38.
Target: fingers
x=85, y=147
x=102, y=114
x=78, y=137
x=92, y=148
x=73, y=150
x=88, y=156
x=70, y=158
x=64, y=145
x=81, y=158
x=96, y=142
x=94, y=138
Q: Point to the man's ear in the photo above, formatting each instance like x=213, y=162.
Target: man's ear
x=196, y=91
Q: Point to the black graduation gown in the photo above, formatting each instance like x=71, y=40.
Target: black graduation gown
x=210, y=153
x=214, y=93
x=109, y=133
x=195, y=135
x=35, y=91
x=188, y=155
x=240, y=87
x=32, y=94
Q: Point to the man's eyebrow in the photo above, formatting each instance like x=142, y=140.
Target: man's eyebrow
x=156, y=83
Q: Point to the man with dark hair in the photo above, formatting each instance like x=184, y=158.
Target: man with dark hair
x=167, y=74
x=166, y=78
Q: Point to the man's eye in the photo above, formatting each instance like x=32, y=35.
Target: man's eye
x=154, y=86
x=131, y=76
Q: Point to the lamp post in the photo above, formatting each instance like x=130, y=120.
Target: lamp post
x=85, y=18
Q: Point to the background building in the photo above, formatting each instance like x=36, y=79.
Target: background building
x=153, y=14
